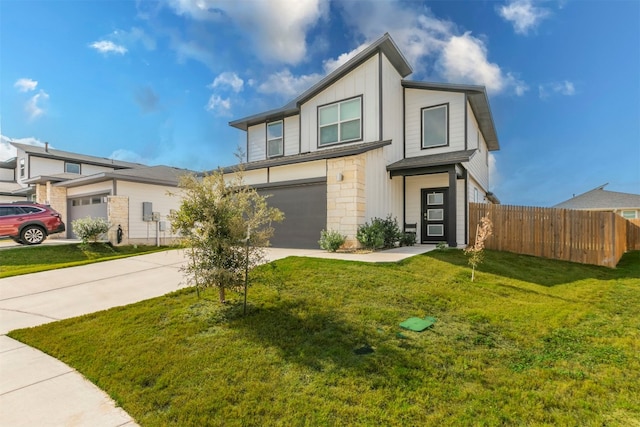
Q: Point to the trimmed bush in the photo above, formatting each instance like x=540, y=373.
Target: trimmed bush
x=331, y=240
x=408, y=239
x=89, y=229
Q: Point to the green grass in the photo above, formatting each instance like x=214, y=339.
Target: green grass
x=31, y=259
x=530, y=342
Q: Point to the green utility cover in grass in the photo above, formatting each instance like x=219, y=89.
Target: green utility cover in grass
x=417, y=324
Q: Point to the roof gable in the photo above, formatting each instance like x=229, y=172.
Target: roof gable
x=50, y=153
x=384, y=45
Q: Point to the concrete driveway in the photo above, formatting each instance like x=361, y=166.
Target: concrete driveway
x=38, y=390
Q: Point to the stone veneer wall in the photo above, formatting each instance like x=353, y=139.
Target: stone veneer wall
x=56, y=197
x=346, y=201
x=118, y=214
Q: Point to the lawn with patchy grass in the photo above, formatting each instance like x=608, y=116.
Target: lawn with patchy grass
x=530, y=342
x=31, y=259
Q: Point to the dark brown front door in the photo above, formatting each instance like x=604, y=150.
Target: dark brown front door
x=434, y=215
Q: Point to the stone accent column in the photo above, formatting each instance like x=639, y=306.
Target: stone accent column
x=118, y=214
x=346, y=196
x=56, y=197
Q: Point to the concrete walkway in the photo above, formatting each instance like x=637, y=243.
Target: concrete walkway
x=38, y=390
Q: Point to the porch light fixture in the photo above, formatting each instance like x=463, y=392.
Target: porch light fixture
x=339, y=177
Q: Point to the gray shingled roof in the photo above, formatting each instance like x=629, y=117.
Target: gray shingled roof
x=599, y=199
x=51, y=153
x=430, y=160
x=158, y=175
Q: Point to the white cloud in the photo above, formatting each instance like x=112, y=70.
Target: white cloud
x=523, y=15
x=565, y=88
x=276, y=28
x=464, y=60
x=107, y=46
x=228, y=79
x=494, y=175
x=25, y=85
x=34, y=107
x=8, y=151
x=219, y=106
x=286, y=84
x=128, y=156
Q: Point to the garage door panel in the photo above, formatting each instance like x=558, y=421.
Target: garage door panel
x=305, y=210
x=82, y=207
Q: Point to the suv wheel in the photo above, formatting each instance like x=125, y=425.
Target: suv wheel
x=32, y=235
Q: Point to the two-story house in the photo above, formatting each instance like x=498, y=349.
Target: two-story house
x=363, y=143
x=77, y=186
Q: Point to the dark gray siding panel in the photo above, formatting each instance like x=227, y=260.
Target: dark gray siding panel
x=305, y=210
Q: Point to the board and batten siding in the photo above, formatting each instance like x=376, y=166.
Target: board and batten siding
x=383, y=195
x=392, y=112
x=257, y=142
x=415, y=101
x=291, y=135
x=362, y=81
x=162, y=202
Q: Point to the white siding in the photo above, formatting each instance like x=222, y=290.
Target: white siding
x=257, y=142
x=41, y=166
x=93, y=169
x=291, y=135
x=6, y=174
x=415, y=100
x=478, y=166
x=251, y=177
x=392, y=114
x=162, y=203
x=97, y=188
x=383, y=196
x=298, y=171
x=362, y=81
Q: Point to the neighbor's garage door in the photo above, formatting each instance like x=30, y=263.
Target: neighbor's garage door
x=305, y=210
x=81, y=207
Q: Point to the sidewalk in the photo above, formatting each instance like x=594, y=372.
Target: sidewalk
x=38, y=390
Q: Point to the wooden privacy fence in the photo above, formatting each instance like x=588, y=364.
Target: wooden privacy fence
x=587, y=237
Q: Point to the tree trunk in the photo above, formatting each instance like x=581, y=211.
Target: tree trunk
x=221, y=295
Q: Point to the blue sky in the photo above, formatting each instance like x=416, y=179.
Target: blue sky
x=158, y=81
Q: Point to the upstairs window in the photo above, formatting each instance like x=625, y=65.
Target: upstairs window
x=72, y=167
x=275, y=140
x=22, y=168
x=435, y=126
x=340, y=122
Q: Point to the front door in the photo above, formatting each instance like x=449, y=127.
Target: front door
x=434, y=215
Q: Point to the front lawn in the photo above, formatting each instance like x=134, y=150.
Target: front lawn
x=530, y=342
x=31, y=259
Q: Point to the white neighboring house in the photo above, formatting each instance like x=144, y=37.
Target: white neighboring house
x=626, y=205
x=78, y=186
x=363, y=143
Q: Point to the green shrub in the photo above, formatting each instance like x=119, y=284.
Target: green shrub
x=381, y=233
x=408, y=239
x=89, y=229
x=331, y=240
x=390, y=230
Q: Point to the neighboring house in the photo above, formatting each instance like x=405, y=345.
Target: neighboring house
x=76, y=185
x=364, y=143
x=625, y=204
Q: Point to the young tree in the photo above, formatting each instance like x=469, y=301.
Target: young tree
x=226, y=226
x=475, y=252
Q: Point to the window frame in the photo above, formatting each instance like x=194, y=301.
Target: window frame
x=281, y=137
x=22, y=167
x=319, y=144
x=75, y=164
x=422, y=126
x=635, y=213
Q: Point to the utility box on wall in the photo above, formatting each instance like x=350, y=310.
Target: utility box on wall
x=147, y=211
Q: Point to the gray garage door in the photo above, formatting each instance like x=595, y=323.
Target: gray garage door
x=305, y=210
x=81, y=207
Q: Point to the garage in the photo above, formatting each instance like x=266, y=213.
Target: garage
x=94, y=206
x=305, y=209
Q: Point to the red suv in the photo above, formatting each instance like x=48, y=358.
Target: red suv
x=29, y=223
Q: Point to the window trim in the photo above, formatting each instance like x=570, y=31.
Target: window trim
x=635, y=213
x=73, y=163
x=266, y=130
x=433, y=107
x=339, y=141
x=22, y=167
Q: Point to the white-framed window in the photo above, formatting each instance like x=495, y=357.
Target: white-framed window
x=435, y=230
x=22, y=168
x=629, y=214
x=476, y=195
x=435, y=126
x=435, y=199
x=70, y=167
x=340, y=122
x=275, y=139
